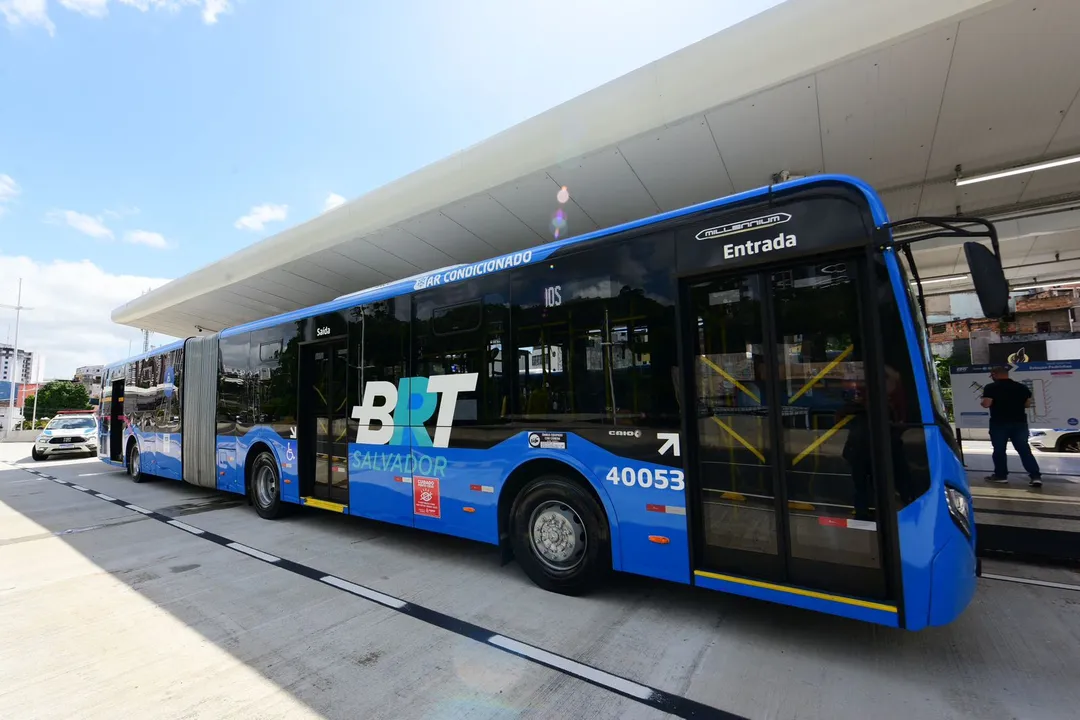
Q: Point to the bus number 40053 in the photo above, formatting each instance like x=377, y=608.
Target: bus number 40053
x=660, y=478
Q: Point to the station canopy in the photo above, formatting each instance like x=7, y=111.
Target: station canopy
x=906, y=95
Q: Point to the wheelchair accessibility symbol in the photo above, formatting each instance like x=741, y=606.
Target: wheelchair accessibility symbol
x=289, y=454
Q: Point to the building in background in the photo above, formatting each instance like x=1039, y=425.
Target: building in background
x=1046, y=315
x=89, y=376
x=19, y=370
x=15, y=374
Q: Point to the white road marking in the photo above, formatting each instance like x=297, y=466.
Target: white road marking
x=373, y=595
x=1030, y=581
x=80, y=487
x=138, y=509
x=103, y=496
x=253, y=552
x=184, y=526
x=573, y=667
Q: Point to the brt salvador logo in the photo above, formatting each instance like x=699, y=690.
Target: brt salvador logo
x=412, y=401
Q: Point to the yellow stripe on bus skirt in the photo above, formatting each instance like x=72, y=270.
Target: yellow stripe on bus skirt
x=797, y=591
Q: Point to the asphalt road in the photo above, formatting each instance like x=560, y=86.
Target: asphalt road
x=110, y=611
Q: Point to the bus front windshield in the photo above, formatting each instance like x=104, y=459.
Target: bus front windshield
x=923, y=338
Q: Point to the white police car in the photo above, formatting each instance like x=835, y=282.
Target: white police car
x=67, y=434
x=1056, y=440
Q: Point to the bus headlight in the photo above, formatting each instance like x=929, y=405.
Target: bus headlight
x=959, y=509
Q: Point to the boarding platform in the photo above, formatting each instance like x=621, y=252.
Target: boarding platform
x=1015, y=518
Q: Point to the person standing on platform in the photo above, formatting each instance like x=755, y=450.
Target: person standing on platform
x=1008, y=401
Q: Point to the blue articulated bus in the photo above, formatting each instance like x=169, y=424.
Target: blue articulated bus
x=737, y=395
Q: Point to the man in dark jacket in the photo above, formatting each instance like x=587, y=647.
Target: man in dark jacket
x=1008, y=401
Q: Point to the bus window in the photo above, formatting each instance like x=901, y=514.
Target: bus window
x=462, y=318
x=911, y=465
x=274, y=353
x=233, y=400
x=378, y=348
x=594, y=336
x=461, y=329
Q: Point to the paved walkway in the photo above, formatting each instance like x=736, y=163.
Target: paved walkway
x=108, y=612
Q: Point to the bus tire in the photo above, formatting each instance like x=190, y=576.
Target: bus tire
x=134, y=464
x=264, y=486
x=559, y=536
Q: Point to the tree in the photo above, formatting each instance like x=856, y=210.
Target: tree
x=58, y=395
x=942, y=368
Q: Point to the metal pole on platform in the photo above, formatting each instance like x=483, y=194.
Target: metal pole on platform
x=18, y=308
x=37, y=388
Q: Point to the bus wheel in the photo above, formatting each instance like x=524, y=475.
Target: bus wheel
x=135, y=465
x=265, y=486
x=559, y=536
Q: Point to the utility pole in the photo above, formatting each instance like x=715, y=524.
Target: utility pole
x=18, y=308
x=37, y=389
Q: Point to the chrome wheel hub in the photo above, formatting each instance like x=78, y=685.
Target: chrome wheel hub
x=557, y=535
x=266, y=486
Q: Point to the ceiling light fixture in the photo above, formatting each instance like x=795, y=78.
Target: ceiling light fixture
x=1021, y=170
x=951, y=278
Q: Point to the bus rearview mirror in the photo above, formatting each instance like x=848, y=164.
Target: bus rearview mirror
x=989, y=279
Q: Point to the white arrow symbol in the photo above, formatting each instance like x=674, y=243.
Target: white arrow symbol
x=671, y=442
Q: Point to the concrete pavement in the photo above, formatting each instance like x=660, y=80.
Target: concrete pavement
x=106, y=612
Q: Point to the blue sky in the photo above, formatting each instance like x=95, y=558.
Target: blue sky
x=137, y=135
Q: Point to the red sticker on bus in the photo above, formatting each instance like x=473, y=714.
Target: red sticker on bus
x=832, y=521
x=426, y=499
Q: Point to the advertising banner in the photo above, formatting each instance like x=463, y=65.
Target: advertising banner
x=1015, y=353
x=1055, y=393
x=5, y=392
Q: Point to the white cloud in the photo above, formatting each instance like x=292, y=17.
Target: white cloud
x=86, y=224
x=28, y=12
x=332, y=201
x=213, y=8
x=147, y=238
x=95, y=227
x=35, y=12
x=90, y=8
x=260, y=215
x=9, y=190
x=70, y=322
x=170, y=5
x=121, y=212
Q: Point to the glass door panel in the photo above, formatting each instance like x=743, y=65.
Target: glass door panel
x=735, y=456
x=827, y=440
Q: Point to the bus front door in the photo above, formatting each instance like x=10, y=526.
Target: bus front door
x=323, y=433
x=116, y=422
x=781, y=442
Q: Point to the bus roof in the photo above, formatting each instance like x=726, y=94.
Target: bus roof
x=542, y=252
x=459, y=272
